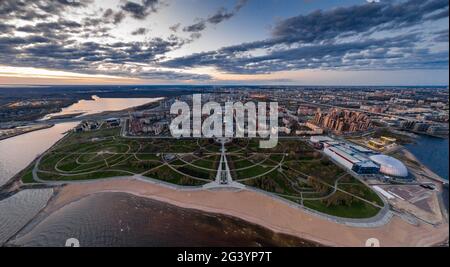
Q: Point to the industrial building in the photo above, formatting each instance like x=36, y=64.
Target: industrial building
x=350, y=158
x=359, y=159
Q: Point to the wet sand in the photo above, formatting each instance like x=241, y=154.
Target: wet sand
x=263, y=210
x=121, y=219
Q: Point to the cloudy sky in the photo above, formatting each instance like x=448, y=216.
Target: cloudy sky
x=305, y=42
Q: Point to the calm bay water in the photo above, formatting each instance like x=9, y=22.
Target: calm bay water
x=17, y=210
x=119, y=219
x=433, y=152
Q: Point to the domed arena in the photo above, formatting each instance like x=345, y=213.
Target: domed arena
x=390, y=166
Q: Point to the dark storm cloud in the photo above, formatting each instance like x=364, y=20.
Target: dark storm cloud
x=6, y=28
x=441, y=36
x=108, y=13
x=111, y=15
x=175, y=27
x=197, y=27
x=341, y=38
x=37, y=9
x=325, y=56
x=139, y=31
x=46, y=52
x=54, y=41
x=385, y=15
x=45, y=27
x=140, y=11
x=118, y=17
x=316, y=41
x=221, y=15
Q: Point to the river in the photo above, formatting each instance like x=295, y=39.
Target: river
x=19, y=151
x=98, y=105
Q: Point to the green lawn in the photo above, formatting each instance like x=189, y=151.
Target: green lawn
x=362, y=191
x=97, y=159
x=168, y=175
x=27, y=178
x=355, y=210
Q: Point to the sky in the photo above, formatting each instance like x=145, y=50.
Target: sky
x=283, y=42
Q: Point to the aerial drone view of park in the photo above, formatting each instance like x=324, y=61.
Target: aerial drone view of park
x=293, y=171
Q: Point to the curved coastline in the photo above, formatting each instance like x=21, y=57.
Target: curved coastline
x=260, y=209
x=104, y=226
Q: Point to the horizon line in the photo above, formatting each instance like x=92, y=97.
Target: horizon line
x=217, y=85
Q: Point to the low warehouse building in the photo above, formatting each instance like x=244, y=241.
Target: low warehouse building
x=350, y=158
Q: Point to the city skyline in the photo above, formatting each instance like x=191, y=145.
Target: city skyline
x=352, y=42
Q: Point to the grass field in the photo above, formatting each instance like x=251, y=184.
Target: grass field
x=292, y=170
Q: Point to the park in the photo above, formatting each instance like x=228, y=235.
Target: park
x=293, y=170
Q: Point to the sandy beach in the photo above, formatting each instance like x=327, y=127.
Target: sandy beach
x=265, y=211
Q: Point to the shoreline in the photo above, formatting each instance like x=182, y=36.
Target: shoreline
x=261, y=210
x=49, y=209
x=431, y=175
x=44, y=126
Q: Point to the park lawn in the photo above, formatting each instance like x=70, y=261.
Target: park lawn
x=205, y=163
x=212, y=148
x=356, y=210
x=313, y=194
x=79, y=177
x=27, y=177
x=233, y=148
x=277, y=157
x=166, y=174
x=196, y=172
x=362, y=191
x=69, y=164
x=137, y=167
x=251, y=172
x=178, y=149
x=240, y=163
x=117, y=159
x=81, y=147
x=76, y=138
x=178, y=162
x=49, y=161
x=324, y=170
x=147, y=156
x=152, y=148
x=91, y=157
x=273, y=182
